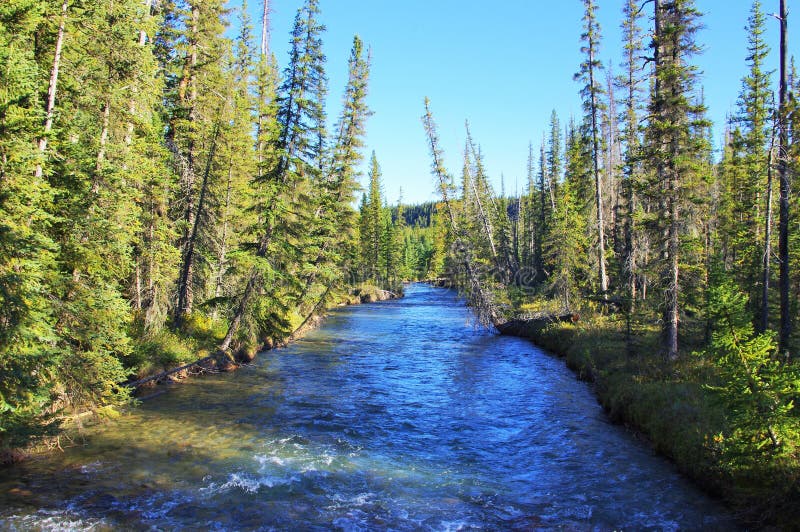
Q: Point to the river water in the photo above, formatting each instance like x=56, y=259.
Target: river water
x=397, y=415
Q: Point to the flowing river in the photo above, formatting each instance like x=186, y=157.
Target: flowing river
x=398, y=415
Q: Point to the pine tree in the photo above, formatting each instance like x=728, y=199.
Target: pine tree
x=592, y=93
x=673, y=147
x=298, y=152
x=747, y=179
x=28, y=268
x=631, y=82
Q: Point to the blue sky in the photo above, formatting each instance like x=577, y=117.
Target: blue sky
x=502, y=65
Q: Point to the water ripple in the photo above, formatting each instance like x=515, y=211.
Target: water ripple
x=393, y=416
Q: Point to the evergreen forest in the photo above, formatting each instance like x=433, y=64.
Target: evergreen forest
x=666, y=276
x=170, y=191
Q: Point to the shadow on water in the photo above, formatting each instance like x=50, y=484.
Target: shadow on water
x=395, y=415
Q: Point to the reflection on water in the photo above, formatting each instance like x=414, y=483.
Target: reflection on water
x=397, y=415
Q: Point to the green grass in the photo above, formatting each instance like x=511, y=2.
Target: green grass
x=671, y=406
x=166, y=349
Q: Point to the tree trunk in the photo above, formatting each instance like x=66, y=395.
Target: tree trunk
x=766, y=260
x=184, y=307
x=783, y=172
x=188, y=84
x=222, y=259
x=265, y=30
x=485, y=308
x=241, y=308
x=132, y=105
x=51, y=88
x=630, y=199
x=313, y=311
x=672, y=289
x=542, y=213
x=253, y=280
x=137, y=286
x=668, y=180
x=598, y=183
x=101, y=152
x=485, y=221
x=264, y=59
x=149, y=302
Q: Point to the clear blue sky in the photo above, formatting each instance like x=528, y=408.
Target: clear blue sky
x=503, y=65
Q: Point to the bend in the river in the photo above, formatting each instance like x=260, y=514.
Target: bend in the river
x=397, y=415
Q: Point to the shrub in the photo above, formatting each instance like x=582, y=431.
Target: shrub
x=756, y=387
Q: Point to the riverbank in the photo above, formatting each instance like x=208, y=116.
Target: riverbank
x=399, y=416
x=226, y=362
x=145, y=384
x=670, y=405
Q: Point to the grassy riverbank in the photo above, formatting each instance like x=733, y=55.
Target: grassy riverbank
x=200, y=336
x=172, y=356
x=672, y=405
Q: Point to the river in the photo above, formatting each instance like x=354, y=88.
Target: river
x=397, y=415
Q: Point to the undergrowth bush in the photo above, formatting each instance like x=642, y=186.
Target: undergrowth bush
x=163, y=350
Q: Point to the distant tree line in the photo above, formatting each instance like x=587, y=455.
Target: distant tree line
x=396, y=243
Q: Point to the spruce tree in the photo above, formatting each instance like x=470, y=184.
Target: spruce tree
x=592, y=93
x=566, y=247
x=28, y=268
x=201, y=101
x=631, y=82
x=488, y=245
x=235, y=197
x=374, y=210
x=480, y=296
x=334, y=216
x=747, y=180
x=547, y=206
x=554, y=156
x=297, y=155
x=532, y=229
x=364, y=269
x=673, y=148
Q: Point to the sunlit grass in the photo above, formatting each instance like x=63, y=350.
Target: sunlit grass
x=670, y=404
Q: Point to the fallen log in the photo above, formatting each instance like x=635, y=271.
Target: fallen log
x=440, y=282
x=529, y=327
x=164, y=374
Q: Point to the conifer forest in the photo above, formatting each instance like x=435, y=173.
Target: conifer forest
x=173, y=192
